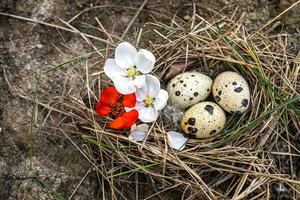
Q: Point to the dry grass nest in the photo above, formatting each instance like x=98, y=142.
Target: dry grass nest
x=256, y=156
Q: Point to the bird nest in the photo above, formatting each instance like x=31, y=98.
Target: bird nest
x=253, y=157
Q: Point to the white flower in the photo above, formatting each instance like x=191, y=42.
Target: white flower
x=150, y=99
x=176, y=140
x=139, y=132
x=127, y=70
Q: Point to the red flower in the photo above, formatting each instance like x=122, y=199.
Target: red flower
x=113, y=103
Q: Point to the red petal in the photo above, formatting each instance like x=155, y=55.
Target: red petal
x=102, y=109
x=125, y=120
x=129, y=100
x=109, y=96
x=131, y=117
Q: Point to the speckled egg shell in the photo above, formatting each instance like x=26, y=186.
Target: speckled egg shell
x=189, y=88
x=203, y=120
x=231, y=92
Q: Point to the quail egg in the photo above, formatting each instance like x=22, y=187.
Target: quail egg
x=231, y=92
x=189, y=88
x=203, y=120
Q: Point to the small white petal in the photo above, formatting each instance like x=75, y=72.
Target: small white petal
x=125, y=54
x=127, y=109
x=141, y=93
x=139, y=81
x=161, y=99
x=176, y=140
x=144, y=61
x=124, y=85
x=148, y=114
x=138, y=106
x=137, y=136
x=112, y=70
x=139, y=132
x=153, y=85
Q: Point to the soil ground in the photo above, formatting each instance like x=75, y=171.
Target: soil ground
x=26, y=48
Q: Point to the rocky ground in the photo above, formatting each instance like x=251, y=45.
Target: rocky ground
x=34, y=162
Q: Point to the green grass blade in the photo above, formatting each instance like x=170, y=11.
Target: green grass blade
x=55, y=67
x=93, y=140
x=133, y=170
x=54, y=194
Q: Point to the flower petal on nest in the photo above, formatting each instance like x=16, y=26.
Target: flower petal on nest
x=124, y=85
x=139, y=81
x=141, y=93
x=125, y=120
x=139, y=132
x=125, y=55
x=148, y=114
x=153, y=85
x=109, y=96
x=112, y=70
x=161, y=99
x=176, y=140
x=129, y=100
x=102, y=109
x=144, y=61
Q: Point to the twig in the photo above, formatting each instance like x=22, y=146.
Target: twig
x=133, y=19
x=70, y=197
x=55, y=26
x=278, y=16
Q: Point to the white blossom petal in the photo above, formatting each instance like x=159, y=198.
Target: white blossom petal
x=148, y=114
x=112, y=70
x=141, y=93
x=153, y=85
x=139, y=81
x=176, y=140
x=139, y=132
x=144, y=61
x=138, y=106
x=125, y=54
x=124, y=85
x=127, y=109
x=161, y=99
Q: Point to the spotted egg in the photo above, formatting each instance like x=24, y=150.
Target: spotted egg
x=189, y=88
x=231, y=92
x=203, y=120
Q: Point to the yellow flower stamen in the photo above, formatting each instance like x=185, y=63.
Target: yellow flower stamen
x=149, y=101
x=132, y=72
